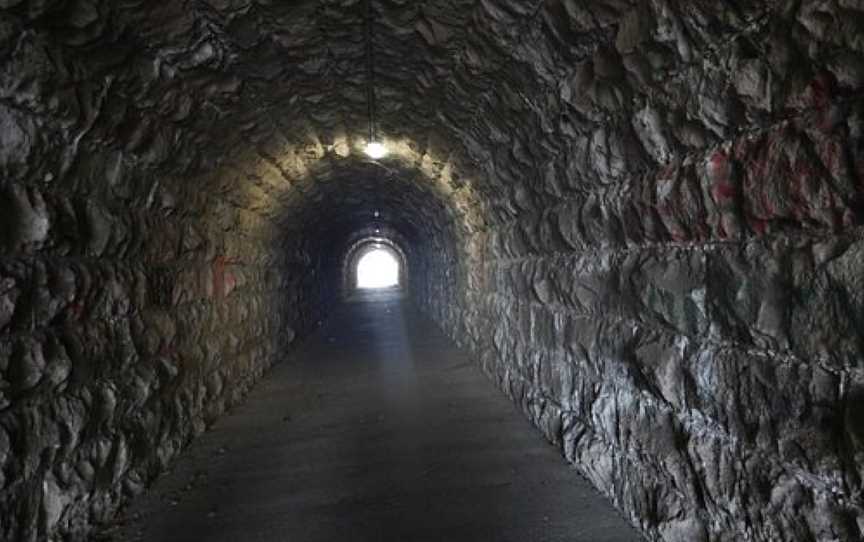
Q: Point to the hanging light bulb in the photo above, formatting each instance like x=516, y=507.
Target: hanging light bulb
x=376, y=150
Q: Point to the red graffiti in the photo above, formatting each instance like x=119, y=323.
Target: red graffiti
x=677, y=235
x=718, y=166
x=230, y=282
x=762, y=195
x=760, y=167
x=667, y=172
x=224, y=280
x=758, y=225
x=75, y=310
x=723, y=192
x=720, y=172
x=663, y=208
x=819, y=90
x=832, y=154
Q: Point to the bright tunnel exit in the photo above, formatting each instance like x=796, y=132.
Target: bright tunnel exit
x=378, y=268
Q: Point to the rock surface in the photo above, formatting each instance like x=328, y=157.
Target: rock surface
x=644, y=218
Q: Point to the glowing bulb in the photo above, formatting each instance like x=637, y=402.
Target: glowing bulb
x=376, y=150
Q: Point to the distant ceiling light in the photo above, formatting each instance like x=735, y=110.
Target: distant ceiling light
x=376, y=150
x=377, y=214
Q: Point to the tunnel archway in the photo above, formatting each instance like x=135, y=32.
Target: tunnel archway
x=377, y=269
x=399, y=202
x=365, y=247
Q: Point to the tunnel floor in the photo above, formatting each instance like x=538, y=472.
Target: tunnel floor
x=378, y=428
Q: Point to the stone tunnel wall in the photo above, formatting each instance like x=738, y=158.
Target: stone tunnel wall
x=677, y=299
x=126, y=327
x=139, y=297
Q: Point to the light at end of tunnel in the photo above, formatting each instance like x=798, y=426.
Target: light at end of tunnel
x=377, y=269
x=376, y=150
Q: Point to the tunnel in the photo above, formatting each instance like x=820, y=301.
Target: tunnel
x=638, y=221
x=376, y=263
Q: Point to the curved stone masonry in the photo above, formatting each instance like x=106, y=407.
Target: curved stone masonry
x=642, y=217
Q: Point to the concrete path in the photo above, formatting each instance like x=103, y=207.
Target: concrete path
x=377, y=429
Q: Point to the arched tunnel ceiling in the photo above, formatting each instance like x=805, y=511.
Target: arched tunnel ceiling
x=502, y=89
x=338, y=199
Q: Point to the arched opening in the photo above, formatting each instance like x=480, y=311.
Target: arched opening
x=378, y=268
x=375, y=263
